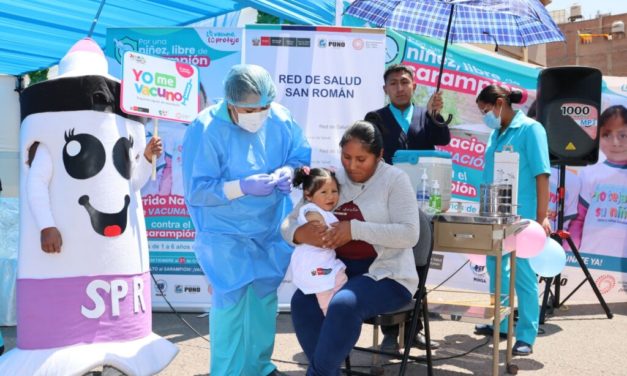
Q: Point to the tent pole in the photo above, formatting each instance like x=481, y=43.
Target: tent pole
x=19, y=83
x=339, y=10
x=95, y=21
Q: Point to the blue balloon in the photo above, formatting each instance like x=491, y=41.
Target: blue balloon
x=551, y=261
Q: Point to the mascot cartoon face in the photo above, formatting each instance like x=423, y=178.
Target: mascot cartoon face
x=84, y=157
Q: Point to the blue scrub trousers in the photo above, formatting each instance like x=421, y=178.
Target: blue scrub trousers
x=526, y=286
x=327, y=341
x=242, y=336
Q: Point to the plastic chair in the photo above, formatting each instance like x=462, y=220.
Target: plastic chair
x=407, y=314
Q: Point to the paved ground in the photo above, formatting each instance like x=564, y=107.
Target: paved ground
x=579, y=340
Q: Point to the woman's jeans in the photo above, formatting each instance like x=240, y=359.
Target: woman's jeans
x=327, y=341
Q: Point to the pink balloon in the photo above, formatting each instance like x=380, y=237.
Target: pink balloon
x=530, y=241
x=476, y=259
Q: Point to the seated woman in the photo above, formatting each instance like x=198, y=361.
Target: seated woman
x=378, y=226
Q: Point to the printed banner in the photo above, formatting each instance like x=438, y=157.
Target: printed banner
x=328, y=77
x=602, y=188
x=159, y=88
x=170, y=231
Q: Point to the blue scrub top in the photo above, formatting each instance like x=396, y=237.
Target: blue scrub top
x=527, y=138
x=217, y=151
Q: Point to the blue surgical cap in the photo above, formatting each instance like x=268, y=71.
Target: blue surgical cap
x=244, y=80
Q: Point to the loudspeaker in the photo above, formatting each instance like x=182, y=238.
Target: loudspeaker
x=568, y=104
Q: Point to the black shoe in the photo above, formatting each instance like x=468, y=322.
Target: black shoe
x=390, y=344
x=276, y=372
x=522, y=349
x=486, y=330
x=421, y=342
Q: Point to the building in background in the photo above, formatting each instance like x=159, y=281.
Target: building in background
x=598, y=42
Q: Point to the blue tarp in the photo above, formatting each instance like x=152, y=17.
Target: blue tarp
x=36, y=34
x=311, y=12
x=305, y=12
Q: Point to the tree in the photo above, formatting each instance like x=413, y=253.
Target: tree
x=38, y=76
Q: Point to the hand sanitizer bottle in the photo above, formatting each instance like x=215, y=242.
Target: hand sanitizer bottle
x=422, y=195
x=435, y=199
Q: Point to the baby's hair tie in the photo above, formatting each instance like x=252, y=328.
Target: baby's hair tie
x=306, y=170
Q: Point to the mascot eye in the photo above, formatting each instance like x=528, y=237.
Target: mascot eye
x=73, y=148
x=122, y=156
x=83, y=155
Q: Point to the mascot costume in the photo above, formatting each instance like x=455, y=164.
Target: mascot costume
x=87, y=304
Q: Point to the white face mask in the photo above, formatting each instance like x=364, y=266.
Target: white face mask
x=253, y=121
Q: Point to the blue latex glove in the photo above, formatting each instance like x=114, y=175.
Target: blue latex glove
x=257, y=185
x=284, y=177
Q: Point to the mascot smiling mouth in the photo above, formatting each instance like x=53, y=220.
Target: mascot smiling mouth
x=106, y=224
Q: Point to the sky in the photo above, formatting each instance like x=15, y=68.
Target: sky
x=589, y=8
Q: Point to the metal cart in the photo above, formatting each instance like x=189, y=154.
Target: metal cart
x=466, y=233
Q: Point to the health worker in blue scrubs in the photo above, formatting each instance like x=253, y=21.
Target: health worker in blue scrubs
x=528, y=138
x=238, y=162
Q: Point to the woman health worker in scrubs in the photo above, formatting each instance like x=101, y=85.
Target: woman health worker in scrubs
x=528, y=139
x=238, y=161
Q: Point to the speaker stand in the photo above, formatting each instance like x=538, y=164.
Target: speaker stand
x=560, y=235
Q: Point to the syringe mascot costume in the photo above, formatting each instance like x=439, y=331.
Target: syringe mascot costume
x=86, y=303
